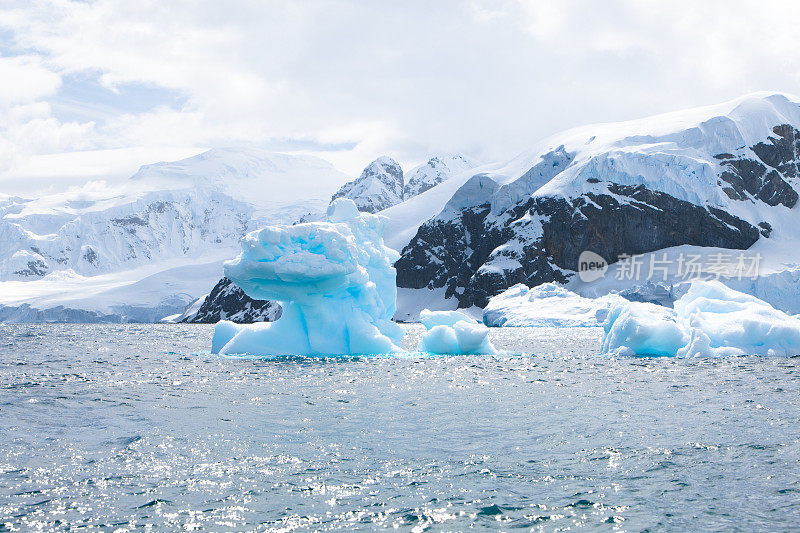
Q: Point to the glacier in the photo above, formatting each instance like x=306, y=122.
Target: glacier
x=709, y=320
x=334, y=281
x=453, y=333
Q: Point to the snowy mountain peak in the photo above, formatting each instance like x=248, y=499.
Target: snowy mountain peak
x=383, y=161
x=379, y=186
x=434, y=172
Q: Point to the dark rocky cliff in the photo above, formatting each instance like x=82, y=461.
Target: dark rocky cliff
x=227, y=301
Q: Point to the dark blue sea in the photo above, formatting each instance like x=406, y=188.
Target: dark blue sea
x=139, y=427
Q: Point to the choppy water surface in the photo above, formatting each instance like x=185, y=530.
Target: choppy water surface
x=122, y=427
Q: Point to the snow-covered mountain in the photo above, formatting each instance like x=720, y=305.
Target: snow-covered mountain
x=152, y=245
x=121, y=231
x=724, y=176
x=436, y=170
x=379, y=186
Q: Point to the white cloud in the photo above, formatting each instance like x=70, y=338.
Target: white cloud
x=25, y=79
x=411, y=78
x=26, y=124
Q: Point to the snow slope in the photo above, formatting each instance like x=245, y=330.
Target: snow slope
x=406, y=218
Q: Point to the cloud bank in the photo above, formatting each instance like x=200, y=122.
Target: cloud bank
x=353, y=80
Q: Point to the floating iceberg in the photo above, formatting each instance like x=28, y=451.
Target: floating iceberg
x=709, y=320
x=639, y=328
x=334, y=281
x=548, y=304
x=452, y=332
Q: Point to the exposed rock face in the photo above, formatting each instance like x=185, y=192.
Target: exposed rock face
x=531, y=230
x=380, y=186
x=434, y=172
x=227, y=301
x=766, y=177
x=632, y=220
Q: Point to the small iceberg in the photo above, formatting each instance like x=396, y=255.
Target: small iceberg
x=453, y=332
x=334, y=280
x=548, y=304
x=711, y=319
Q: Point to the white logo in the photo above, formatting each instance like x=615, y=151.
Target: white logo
x=591, y=266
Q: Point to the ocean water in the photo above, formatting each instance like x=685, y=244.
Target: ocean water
x=138, y=427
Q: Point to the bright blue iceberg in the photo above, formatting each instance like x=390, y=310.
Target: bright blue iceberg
x=453, y=332
x=334, y=280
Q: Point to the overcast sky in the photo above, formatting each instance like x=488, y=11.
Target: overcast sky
x=94, y=89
